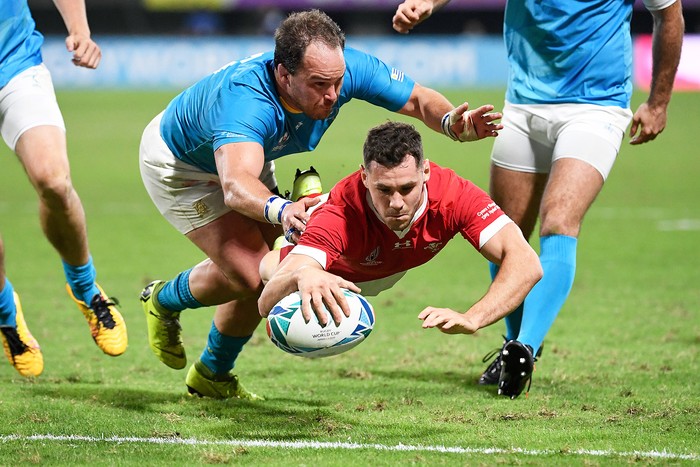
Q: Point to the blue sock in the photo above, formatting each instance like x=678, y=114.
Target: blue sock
x=176, y=294
x=542, y=304
x=221, y=351
x=81, y=280
x=8, y=311
x=515, y=317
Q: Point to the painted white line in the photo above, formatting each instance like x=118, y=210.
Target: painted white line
x=338, y=445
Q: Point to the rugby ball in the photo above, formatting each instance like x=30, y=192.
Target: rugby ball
x=288, y=330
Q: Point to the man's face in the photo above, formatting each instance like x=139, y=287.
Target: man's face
x=396, y=192
x=315, y=86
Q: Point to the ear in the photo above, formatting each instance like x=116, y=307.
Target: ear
x=363, y=174
x=283, y=75
x=426, y=170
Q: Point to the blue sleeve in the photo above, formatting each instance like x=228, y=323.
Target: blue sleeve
x=372, y=80
x=241, y=115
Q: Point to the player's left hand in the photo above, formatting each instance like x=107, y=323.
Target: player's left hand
x=86, y=53
x=472, y=125
x=294, y=218
x=447, y=321
x=647, y=123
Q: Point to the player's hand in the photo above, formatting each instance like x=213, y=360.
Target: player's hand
x=447, y=321
x=411, y=13
x=647, y=123
x=86, y=52
x=472, y=125
x=294, y=218
x=319, y=288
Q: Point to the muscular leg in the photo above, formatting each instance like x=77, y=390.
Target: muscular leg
x=42, y=152
x=571, y=189
x=230, y=278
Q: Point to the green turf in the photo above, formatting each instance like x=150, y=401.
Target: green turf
x=618, y=376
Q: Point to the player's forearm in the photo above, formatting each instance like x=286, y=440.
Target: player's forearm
x=518, y=273
x=74, y=16
x=427, y=105
x=281, y=285
x=667, y=42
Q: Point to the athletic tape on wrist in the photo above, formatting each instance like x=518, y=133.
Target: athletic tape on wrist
x=273, y=209
x=446, y=123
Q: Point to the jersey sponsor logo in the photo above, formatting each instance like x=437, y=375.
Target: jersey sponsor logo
x=396, y=75
x=371, y=259
x=403, y=245
x=434, y=247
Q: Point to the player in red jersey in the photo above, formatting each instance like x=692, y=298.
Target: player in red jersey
x=394, y=214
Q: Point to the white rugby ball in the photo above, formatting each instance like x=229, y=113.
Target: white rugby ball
x=288, y=330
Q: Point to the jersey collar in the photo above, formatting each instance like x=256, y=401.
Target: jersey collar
x=416, y=216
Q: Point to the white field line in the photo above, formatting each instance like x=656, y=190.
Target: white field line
x=339, y=445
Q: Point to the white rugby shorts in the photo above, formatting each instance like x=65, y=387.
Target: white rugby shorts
x=27, y=101
x=185, y=195
x=534, y=136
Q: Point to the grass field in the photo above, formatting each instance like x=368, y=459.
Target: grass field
x=618, y=382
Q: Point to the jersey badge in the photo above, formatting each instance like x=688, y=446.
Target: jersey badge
x=433, y=247
x=371, y=259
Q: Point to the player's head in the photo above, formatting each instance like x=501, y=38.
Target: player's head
x=395, y=172
x=309, y=62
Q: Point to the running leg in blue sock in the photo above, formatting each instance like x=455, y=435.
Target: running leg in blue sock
x=81, y=280
x=176, y=294
x=513, y=319
x=8, y=311
x=221, y=351
x=542, y=304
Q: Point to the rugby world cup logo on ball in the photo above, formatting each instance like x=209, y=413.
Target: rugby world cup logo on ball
x=288, y=330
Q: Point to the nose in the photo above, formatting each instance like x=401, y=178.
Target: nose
x=396, y=202
x=332, y=94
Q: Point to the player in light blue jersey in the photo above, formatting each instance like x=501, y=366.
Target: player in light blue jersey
x=566, y=111
x=207, y=162
x=32, y=126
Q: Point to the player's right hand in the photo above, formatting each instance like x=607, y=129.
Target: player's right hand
x=411, y=13
x=318, y=288
x=294, y=217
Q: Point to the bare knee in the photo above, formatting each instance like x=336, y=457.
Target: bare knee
x=56, y=192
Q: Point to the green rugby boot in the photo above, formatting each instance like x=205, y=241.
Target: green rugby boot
x=202, y=382
x=163, y=328
x=306, y=183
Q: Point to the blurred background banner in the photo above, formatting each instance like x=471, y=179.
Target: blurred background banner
x=157, y=62
x=328, y=5
x=688, y=75
x=177, y=62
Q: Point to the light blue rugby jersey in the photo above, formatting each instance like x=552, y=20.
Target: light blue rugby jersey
x=20, y=42
x=569, y=51
x=239, y=103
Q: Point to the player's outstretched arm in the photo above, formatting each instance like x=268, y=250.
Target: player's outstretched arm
x=86, y=53
x=519, y=271
x=317, y=287
x=458, y=123
x=650, y=118
x=413, y=12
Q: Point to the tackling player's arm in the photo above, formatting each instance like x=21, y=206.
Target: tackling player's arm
x=519, y=271
x=317, y=287
x=239, y=166
x=459, y=123
x=86, y=52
